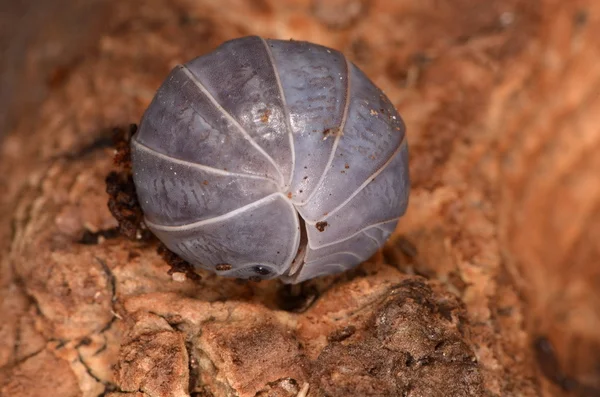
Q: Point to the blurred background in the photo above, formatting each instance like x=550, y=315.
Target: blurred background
x=502, y=103
x=41, y=35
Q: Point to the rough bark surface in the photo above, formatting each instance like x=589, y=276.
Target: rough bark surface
x=490, y=286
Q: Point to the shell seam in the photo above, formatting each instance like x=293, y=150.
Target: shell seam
x=189, y=226
x=363, y=185
x=340, y=132
x=285, y=109
x=354, y=234
x=199, y=166
x=377, y=243
x=230, y=117
x=264, y=201
x=335, y=253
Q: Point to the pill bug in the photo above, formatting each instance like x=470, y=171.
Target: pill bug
x=270, y=158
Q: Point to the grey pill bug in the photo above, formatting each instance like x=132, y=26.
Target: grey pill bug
x=271, y=158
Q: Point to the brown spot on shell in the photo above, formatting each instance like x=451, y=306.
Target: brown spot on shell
x=223, y=266
x=321, y=226
x=289, y=195
x=330, y=131
x=265, y=116
x=205, y=182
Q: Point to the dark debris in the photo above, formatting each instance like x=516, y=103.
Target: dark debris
x=92, y=238
x=297, y=298
x=177, y=264
x=321, y=226
x=123, y=203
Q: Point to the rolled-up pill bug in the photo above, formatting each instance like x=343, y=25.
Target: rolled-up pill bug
x=271, y=158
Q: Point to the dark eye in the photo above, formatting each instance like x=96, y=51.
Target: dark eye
x=263, y=271
x=276, y=152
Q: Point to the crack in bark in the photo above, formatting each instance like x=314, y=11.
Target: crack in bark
x=112, y=282
x=108, y=386
x=17, y=343
x=23, y=359
x=102, y=141
x=193, y=362
x=103, y=347
x=551, y=369
x=193, y=368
